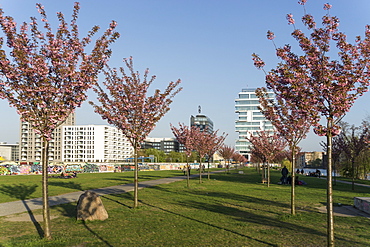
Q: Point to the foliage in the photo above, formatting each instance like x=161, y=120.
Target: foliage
x=321, y=86
x=125, y=104
x=46, y=75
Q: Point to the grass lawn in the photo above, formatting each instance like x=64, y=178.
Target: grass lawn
x=13, y=188
x=228, y=210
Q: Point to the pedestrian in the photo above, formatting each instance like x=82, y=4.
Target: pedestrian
x=284, y=173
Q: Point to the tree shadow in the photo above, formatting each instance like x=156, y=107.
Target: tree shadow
x=96, y=235
x=65, y=184
x=209, y=224
x=23, y=192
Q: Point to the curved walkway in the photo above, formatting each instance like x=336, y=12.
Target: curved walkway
x=9, y=208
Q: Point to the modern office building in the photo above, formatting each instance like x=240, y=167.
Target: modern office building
x=9, y=151
x=250, y=119
x=94, y=143
x=202, y=122
x=30, y=143
x=166, y=145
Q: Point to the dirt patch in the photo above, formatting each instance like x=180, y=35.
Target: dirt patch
x=27, y=217
x=345, y=211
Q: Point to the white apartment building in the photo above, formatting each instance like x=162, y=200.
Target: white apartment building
x=94, y=143
x=250, y=119
x=9, y=151
x=30, y=143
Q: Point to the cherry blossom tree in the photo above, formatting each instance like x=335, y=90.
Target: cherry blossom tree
x=292, y=123
x=187, y=137
x=214, y=143
x=319, y=85
x=125, y=104
x=267, y=145
x=226, y=152
x=207, y=143
x=45, y=75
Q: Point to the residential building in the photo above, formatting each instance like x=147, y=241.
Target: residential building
x=94, y=143
x=307, y=159
x=250, y=119
x=30, y=144
x=9, y=151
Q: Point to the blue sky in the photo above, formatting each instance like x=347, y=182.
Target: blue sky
x=206, y=43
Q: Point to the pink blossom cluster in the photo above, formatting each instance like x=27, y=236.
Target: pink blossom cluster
x=125, y=103
x=46, y=75
x=311, y=85
x=266, y=145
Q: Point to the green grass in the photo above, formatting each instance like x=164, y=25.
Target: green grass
x=228, y=210
x=13, y=188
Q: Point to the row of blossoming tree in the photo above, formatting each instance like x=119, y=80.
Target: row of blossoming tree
x=205, y=143
x=316, y=86
x=46, y=75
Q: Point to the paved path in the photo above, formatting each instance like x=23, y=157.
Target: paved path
x=9, y=208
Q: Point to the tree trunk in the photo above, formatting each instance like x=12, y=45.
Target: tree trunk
x=45, y=192
x=187, y=172
x=208, y=174
x=329, y=190
x=200, y=171
x=353, y=173
x=292, y=199
x=136, y=180
x=268, y=174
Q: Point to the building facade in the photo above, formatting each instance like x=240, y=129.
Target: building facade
x=250, y=119
x=9, y=151
x=166, y=145
x=306, y=159
x=202, y=122
x=30, y=144
x=94, y=143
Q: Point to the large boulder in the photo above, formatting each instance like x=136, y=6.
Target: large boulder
x=90, y=207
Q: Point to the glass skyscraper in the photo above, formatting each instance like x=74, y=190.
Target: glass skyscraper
x=250, y=119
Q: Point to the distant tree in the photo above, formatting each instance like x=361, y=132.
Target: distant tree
x=320, y=86
x=214, y=143
x=267, y=145
x=352, y=141
x=46, y=76
x=159, y=155
x=226, y=152
x=207, y=143
x=187, y=137
x=125, y=104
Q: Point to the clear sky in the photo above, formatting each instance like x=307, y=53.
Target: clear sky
x=206, y=43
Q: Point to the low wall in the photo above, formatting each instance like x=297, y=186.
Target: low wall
x=363, y=204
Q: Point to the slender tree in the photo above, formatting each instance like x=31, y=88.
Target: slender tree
x=186, y=137
x=226, y=152
x=207, y=143
x=292, y=123
x=214, y=143
x=320, y=86
x=266, y=145
x=46, y=75
x=125, y=104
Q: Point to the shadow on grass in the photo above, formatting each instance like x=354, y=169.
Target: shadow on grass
x=65, y=184
x=96, y=235
x=209, y=224
x=23, y=192
x=116, y=201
